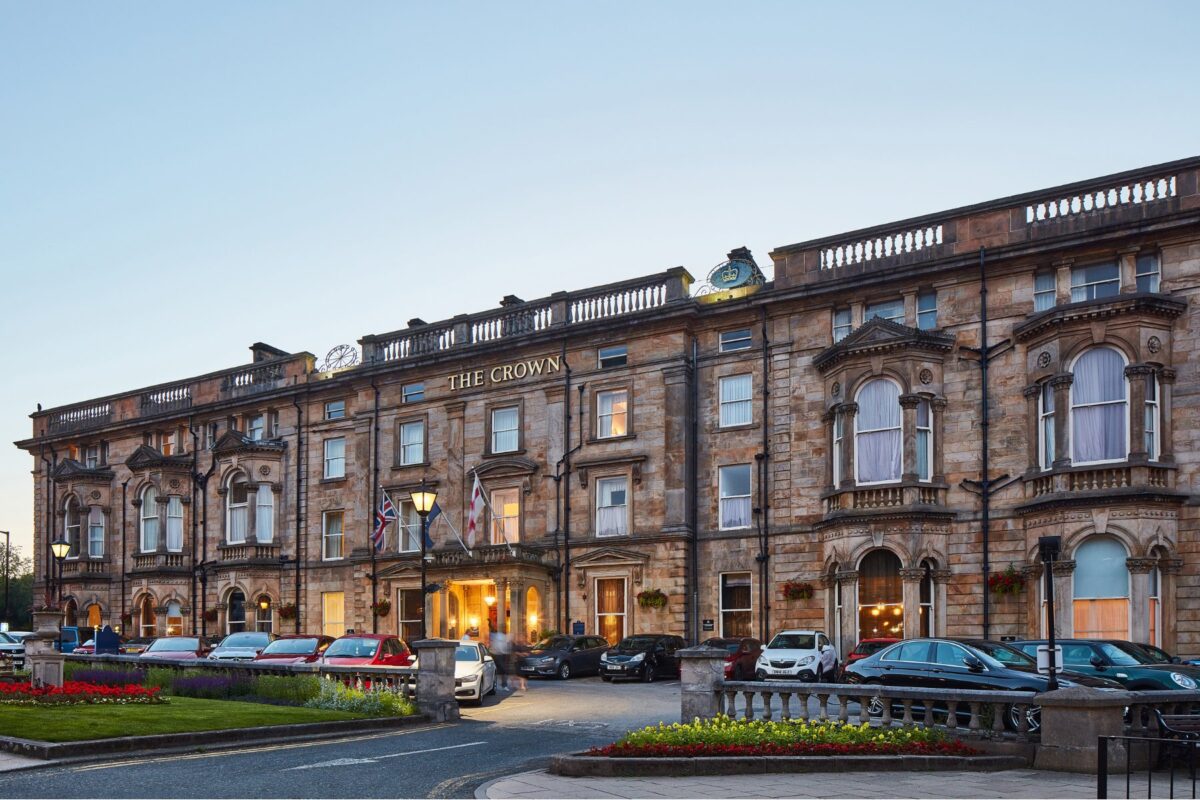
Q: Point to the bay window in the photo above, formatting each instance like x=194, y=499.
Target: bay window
x=72, y=525
x=878, y=442
x=924, y=441
x=237, y=504
x=264, y=514
x=95, y=532
x=1046, y=426
x=149, y=520
x=1099, y=407
x=175, y=523
x=1151, y=434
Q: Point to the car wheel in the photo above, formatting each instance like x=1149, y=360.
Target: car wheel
x=875, y=707
x=1033, y=718
x=564, y=670
x=760, y=675
x=648, y=674
x=606, y=678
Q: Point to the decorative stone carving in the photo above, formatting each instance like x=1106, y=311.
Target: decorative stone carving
x=1043, y=359
x=1063, y=567
x=1154, y=344
x=264, y=470
x=926, y=376
x=837, y=389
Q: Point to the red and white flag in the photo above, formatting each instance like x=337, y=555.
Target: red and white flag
x=475, y=511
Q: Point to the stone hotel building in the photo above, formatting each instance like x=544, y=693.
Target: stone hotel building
x=821, y=450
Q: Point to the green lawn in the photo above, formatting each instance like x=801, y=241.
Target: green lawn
x=181, y=715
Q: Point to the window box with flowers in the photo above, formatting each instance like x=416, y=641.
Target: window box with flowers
x=796, y=590
x=381, y=608
x=211, y=614
x=287, y=611
x=652, y=598
x=1007, y=582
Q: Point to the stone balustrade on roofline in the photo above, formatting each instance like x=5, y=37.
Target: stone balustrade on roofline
x=1154, y=195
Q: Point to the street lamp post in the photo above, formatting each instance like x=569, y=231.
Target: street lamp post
x=423, y=501
x=7, y=548
x=59, y=549
x=1050, y=546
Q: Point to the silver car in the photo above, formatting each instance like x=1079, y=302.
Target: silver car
x=243, y=646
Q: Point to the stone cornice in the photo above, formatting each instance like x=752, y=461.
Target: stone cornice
x=882, y=336
x=1146, y=305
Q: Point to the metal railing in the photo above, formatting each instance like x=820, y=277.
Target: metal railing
x=1134, y=755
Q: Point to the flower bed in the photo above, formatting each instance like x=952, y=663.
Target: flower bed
x=729, y=737
x=77, y=693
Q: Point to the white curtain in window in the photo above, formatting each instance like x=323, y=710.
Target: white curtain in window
x=1098, y=407
x=878, y=432
x=736, y=404
x=264, y=518
x=611, y=507
x=504, y=430
x=412, y=442
x=149, y=520
x=95, y=532
x=924, y=441
x=238, y=520
x=735, y=496
x=174, y=523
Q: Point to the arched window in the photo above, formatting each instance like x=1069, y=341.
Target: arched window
x=533, y=618
x=147, y=620
x=264, y=519
x=70, y=614
x=72, y=526
x=928, y=600
x=96, y=532
x=263, y=614
x=236, y=612
x=238, y=503
x=1099, y=407
x=880, y=595
x=174, y=618
x=1101, y=589
x=94, y=615
x=175, y=523
x=149, y=520
x=878, y=442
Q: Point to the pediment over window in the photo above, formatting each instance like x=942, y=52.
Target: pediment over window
x=232, y=442
x=146, y=457
x=1088, y=311
x=635, y=461
x=513, y=465
x=71, y=470
x=879, y=335
x=610, y=558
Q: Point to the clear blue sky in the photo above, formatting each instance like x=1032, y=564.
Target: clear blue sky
x=178, y=180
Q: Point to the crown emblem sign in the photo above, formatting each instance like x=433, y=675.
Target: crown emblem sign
x=729, y=274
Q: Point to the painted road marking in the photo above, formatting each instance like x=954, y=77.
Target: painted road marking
x=342, y=762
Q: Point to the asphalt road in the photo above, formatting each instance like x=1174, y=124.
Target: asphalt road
x=509, y=733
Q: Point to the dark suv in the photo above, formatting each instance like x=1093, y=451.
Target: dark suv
x=645, y=656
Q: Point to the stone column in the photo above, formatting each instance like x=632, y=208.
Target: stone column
x=849, y=584
x=443, y=600
x=1138, y=375
x=1064, y=598
x=1061, y=384
x=941, y=579
x=518, y=630
x=162, y=500
x=1166, y=389
x=911, y=579
x=435, y=679
x=938, y=407
x=1139, y=597
x=830, y=420
x=910, y=309
x=849, y=411
x=1127, y=263
x=908, y=433
x=856, y=314
x=677, y=446
x=1032, y=430
x=1062, y=281
x=252, y=513
x=702, y=672
x=501, y=605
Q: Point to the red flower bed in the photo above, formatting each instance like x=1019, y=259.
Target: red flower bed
x=948, y=748
x=77, y=692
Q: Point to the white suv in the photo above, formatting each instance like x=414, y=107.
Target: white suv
x=792, y=655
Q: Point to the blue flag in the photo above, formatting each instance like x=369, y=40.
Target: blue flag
x=433, y=514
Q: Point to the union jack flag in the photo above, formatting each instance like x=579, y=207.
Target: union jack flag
x=386, y=513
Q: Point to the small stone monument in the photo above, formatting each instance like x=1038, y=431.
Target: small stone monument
x=44, y=662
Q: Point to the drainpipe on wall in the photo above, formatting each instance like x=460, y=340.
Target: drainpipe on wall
x=299, y=508
x=124, y=549
x=371, y=515
x=212, y=467
x=764, y=505
x=195, y=477
x=567, y=497
x=985, y=483
x=693, y=478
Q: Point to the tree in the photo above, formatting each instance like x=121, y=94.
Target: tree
x=20, y=588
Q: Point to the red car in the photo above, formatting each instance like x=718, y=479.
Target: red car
x=868, y=647
x=368, y=650
x=179, y=648
x=295, y=649
x=743, y=655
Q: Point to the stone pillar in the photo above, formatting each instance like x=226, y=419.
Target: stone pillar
x=1139, y=597
x=1166, y=389
x=435, y=679
x=1062, y=281
x=910, y=309
x=941, y=579
x=1169, y=569
x=162, y=500
x=443, y=611
x=938, y=407
x=702, y=671
x=1127, y=264
x=1073, y=720
x=849, y=412
x=1064, y=598
x=518, y=630
x=1061, y=384
x=501, y=605
x=677, y=444
x=908, y=434
x=45, y=664
x=856, y=314
x=849, y=583
x=830, y=420
x=1033, y=600
x=911, y=579
x=1138, y=374
x=1032, y=430
x=252, y=513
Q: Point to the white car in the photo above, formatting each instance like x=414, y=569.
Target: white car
x=474, y=672
x=792, y=655
x=13, y=648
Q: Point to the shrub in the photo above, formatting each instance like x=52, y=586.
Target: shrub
x=110, y=676
x=160, y=677
x=215, y=686
x=336, y=696
x=292, y=689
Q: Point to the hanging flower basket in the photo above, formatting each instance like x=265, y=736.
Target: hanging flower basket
x=287, y=611
x=1007, y=582
x=795, y=590
x=211, y=615
x=652, y=598
x=381, y=608
x=126, y=621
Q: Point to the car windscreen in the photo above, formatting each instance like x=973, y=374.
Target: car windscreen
x=6, y=639
x=352, y=648
x=637, y=643
x=553, y=643
x=1121, y=658
x=291, y=647
x=1147, y=655
x=466, y=652
x=247, y=639
x=1008, y=656
x=174, y=645
x=793, y=641
x=870, y=648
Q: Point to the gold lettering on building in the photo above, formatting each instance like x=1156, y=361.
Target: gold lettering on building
x=502, y=373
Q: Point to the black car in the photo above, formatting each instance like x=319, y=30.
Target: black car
x=564, y=656
x=965, y=664
x=645, y=656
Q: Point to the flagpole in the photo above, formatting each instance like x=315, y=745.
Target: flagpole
x=512, y=551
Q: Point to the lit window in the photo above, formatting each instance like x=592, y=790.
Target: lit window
x=613, y=356
x=237, y=509
x=612, y=408
x=841, y=324
x=333, y=613
x=1099, y=413
x=612, y=509
x=95, y=532
x=167, y=444
x=736, y=404
x=1046, y=426
x=175, y=523
x=877, y=438
x=1045, y=291
x=1148, y=273
x=731, y=341
x=505, y=424
x=335, y=458
x=149, y=520
x=264, y=514
x=927, y=311
x=331, y=535
x=413, y=392
x=924, y=441
x=736, y=604
x=174, y=618
x=506, y=516
x=412, y=443
x=335, y=409
x=734, y=488
x=254, y=427
x=1095, y=281
x=263, y=616
x=888, y=309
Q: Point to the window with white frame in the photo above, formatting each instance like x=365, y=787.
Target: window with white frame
x=413, y=392
x=263, y=615
x=1151, y=434
x=335, y=458
x=335, y=409
x=505, y=428
x=1148, y=272
x=732, y=341
x=1099, y=407
x=737, y=406
x=506, y=516
x=924, y=441
x=210, y=436
x=264, y=514
x=72, y=524
x=612, y=411
x=235, y=612
x=412, y=442
x=273, y=425
x=1045, y=291
x=841, y=324
x=95, y=532
x=149, y=521
x=839, y=433
x=612, y=507
x=927, y=310
x=734, y=489
x=878, y=443
x=409, y=528
x=886, y=309
x=175, y=523
x=237, y=503
x=736, y=604
x=174, y=618
x=331, y=535
x=615, y=355
x=91, y=458
x=255, y=427
x=1046, y=426
x=1095, y=281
